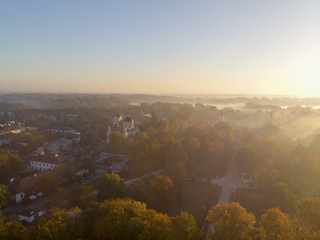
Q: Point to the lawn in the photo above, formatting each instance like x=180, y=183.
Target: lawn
x=254, y=201
x=196, y=198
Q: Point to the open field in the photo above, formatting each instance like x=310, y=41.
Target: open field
x=196, y=198
x=254, y=201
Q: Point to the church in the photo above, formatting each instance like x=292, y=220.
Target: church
x=123, y=125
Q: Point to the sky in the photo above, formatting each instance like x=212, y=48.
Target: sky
x=161, y=47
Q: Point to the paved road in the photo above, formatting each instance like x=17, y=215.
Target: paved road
x=228, y=184
x=131, y=181
x=231, y=179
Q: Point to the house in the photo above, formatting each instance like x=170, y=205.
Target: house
x=58, y=146
x=79, y=168
x=20, y=188
x=13, y=127
x=46, y=161
x=125, y=126
x=31, y=214
x=6, y=138
x=76, y=137
x=32, y=128
x=63, y=130
x=246, y=178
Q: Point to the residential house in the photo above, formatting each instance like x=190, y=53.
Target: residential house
x=57, y=146
x=31, y=214
x=20, y=188
x=246, y=178
x=46, y=161
x=6, y=138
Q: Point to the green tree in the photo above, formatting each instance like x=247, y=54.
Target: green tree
x=4, y=196
x=231, y=222
x=10, y=164
x=90, y=163
x=110, y=186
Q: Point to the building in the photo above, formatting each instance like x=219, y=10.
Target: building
x=116, y=120
x=31, y=214
x=13, y=127
x=46, y=161
x=6, y=138
x=63, y=130
x=20, y=188
x=246, y=178
x=79, y=168
x=57, y=146
x=125, y=126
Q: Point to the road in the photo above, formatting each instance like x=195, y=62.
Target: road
x=228, y=183
x=231, y=179
x=131, y=181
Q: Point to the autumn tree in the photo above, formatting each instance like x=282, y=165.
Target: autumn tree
x=309, y=210
x=59, y=225
x=110, y=186
x=127, y=219
x=60, y=197
x=10, y=231
x=185, y=227
x=47, y=182
x=275, y=225
x=118, y=144
x=163, y=194
x=174, y=153
x=192, y=146
x=231, y=222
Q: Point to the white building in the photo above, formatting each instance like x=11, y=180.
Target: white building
x=125, y=126
x=116, y=120
x=128, y=123
x=22, y=187
x=29, y=215
x=47, y=161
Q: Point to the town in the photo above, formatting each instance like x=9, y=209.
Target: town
x=173, y=157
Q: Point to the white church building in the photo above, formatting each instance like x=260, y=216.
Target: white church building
x=123, y=125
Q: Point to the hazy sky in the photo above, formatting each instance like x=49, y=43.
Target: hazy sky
x=164, y=46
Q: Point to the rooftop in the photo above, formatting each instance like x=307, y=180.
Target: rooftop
x=51, y=158
x=30, y=212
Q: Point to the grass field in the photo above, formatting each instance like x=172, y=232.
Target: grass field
x=254, y=201
x=196, y=198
